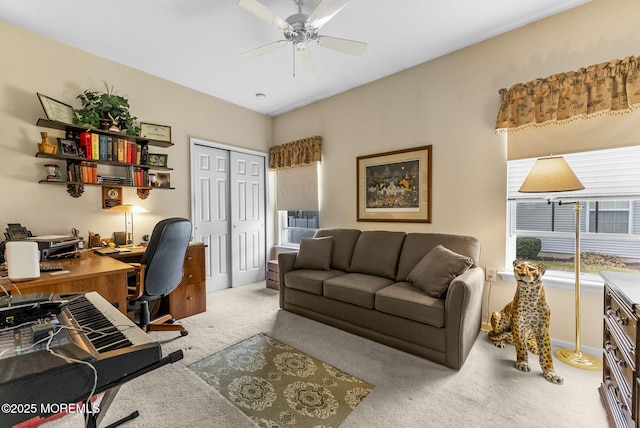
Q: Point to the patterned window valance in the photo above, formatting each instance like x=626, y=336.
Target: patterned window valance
x=607, y=88
x=296, y=153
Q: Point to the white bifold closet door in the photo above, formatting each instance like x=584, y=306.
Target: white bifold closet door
x=229, y=214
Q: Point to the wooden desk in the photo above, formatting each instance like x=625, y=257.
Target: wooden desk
x=107, y=275
x=190, y=297
x=89, y=272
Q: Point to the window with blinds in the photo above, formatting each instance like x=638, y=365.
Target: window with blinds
x=297, y=204
x=609, y=213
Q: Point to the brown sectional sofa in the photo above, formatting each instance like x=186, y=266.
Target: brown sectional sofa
x=363, y=288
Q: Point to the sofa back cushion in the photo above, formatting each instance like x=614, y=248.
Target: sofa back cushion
x=314, y=253
x=344, y=240
x=417, y=245
x=377, y=253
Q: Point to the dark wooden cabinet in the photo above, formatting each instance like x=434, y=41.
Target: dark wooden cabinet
x=620, y=387
x=273, y=275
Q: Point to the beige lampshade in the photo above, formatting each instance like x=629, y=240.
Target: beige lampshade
x=128, y=209
x=551, y=174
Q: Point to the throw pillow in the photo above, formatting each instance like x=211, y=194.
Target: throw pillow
x=314, y=253
x=437, y=269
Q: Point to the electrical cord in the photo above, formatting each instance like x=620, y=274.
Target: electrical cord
x=74, y=360
x=488, y=319
x=16, y=287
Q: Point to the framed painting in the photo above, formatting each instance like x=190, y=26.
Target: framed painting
x=395, y=186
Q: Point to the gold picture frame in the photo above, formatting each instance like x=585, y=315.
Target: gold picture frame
x=395, y=186
x=155, y=132
x=56, y=110
x=155, y=159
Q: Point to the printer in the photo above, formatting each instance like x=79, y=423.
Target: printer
x=56, y=246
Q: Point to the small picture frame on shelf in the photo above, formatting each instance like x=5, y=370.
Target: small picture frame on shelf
x=154, y=159
x=155, y=132
x=163, y=180
x=67, y=147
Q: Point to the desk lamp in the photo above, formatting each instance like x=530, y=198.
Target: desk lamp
x=553, y=174
x=128, y=209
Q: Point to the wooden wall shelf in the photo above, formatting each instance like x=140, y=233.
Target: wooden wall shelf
x=76, y=188
x=54, y=124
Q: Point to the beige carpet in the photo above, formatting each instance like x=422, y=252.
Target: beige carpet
x=409, y=391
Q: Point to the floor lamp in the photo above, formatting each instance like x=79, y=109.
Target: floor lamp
x=128, y=209
x=553, y=174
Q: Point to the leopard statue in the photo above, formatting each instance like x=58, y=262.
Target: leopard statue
x=525, y=321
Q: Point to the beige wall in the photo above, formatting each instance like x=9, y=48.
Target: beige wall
x=31, y=63
x=451, y=103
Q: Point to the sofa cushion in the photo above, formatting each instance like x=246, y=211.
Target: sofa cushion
x=404, y=300
x=437, y=269
x=377, y=252
x=314, y=253
x=417, y=245
x=344, y=240
x=355, y=288
x=309, y=280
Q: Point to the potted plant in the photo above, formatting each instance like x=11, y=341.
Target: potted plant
x=106, y=110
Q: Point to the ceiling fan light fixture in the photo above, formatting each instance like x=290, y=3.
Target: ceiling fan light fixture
x=299, y=29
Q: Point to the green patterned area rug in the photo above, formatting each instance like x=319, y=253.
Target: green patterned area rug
x=276, y=385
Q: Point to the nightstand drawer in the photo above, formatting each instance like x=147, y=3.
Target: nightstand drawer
x=618, y=360
x=622, y=320
x=621, y=400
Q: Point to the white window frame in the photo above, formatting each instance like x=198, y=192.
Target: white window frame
x=282, y=230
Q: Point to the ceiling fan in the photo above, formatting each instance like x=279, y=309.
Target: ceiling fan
x=300, y=30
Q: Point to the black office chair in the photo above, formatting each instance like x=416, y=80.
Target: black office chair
x=160, y=272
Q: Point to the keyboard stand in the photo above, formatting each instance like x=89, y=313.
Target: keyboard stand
x=112, y=389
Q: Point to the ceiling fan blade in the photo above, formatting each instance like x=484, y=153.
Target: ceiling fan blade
x=325, y=10
x=254, y=53
x=262, y=12
x=343, y=45
x=305, y=62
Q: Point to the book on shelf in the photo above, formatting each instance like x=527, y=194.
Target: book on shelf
x=95, y=146
x=102, y=143
x=85, y=144
x=110, y=148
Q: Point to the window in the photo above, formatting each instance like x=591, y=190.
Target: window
x=297, y=204
x=609, y=216
x=544, y=230
x=296, y=225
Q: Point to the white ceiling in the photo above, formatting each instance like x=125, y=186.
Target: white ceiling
x=197, y=43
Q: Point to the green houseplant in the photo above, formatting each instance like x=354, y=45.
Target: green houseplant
x=105, y=110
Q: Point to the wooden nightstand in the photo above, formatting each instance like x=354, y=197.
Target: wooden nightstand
x=273, y=275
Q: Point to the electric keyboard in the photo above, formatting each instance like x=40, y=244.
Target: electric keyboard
x=91, y=330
